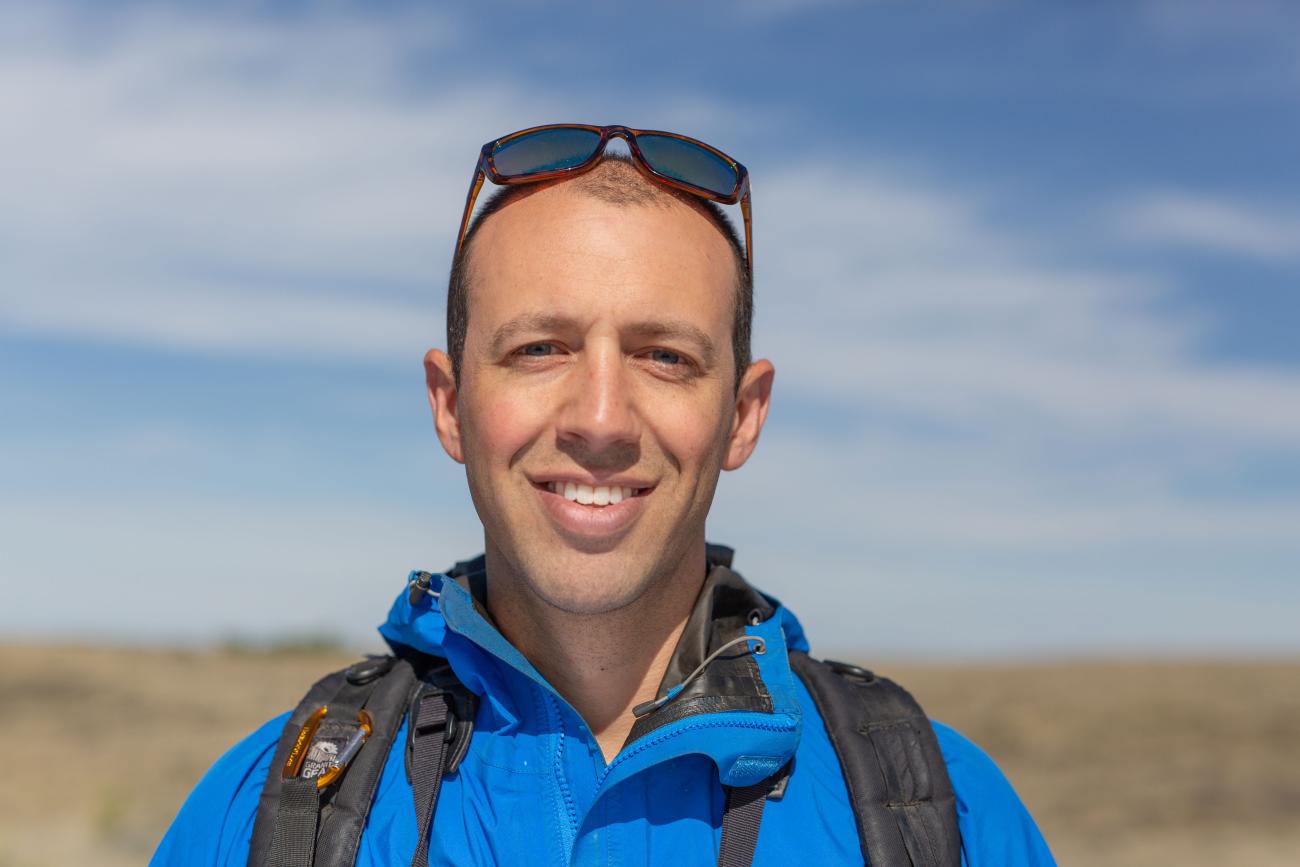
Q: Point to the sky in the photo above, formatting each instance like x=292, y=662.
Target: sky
x=1028, y=273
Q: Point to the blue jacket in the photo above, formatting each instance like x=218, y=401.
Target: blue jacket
x=534, y=787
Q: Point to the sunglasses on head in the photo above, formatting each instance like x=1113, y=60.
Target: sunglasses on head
x=543, y=153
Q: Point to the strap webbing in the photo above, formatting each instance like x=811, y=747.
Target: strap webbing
x=296, y=826
x=893, y=767
x=740, y=820
x=349, y=699
x=298, y=816
x=429, y=743
x=294, y=844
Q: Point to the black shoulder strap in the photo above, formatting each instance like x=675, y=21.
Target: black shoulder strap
x=298, y=827
x=439, y=725
x=896, y=775
x=741, y=817
x=382, y=686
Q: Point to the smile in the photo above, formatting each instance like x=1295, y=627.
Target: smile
x=593, y=517
x=594, y=495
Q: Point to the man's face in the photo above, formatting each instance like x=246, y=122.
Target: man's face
x=596, y=405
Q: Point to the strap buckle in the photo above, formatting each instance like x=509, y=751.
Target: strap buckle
x=324, y=747
x=455, y=730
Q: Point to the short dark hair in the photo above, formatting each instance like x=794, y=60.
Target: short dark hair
x=620, y=184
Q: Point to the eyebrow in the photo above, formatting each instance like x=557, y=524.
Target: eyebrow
x=680, y=330
x=551, y=323
x=529, y=323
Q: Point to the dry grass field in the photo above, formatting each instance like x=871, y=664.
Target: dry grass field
x=1123, y=763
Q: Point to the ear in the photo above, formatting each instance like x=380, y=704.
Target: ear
x=441, y=384
x=752, y=401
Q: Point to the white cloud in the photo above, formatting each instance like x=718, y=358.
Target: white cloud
x=238, y=320
x=210, y=183
x=1213, y=224
x=897, y=297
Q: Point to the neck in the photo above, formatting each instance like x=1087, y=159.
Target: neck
x=603, y=664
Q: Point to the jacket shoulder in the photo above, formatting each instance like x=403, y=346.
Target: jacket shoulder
x=996, y=829
x=215, y=824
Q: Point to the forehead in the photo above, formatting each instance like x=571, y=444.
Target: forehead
x=567, y=252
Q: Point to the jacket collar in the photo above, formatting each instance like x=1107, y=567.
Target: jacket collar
x=731, y=681
x=736, y=688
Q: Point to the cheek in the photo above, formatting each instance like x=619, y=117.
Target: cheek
x=693, y=436
x=501, y=426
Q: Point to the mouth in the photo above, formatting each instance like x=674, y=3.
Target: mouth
x=593, y=517
x=598, y=496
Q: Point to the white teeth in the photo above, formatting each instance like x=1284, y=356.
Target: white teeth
x=591, y=495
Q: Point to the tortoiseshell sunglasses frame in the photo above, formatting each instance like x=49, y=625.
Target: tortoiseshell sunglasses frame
x=486, y=168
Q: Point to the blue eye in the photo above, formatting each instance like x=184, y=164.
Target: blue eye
x=666, y=356
x=538, y=350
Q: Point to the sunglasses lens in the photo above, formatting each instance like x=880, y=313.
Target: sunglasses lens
x=688, y=163
x=545, y=151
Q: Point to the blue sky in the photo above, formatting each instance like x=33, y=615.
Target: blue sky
x=1028, y=273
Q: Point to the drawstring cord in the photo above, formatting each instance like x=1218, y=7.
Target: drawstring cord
x=646, y=707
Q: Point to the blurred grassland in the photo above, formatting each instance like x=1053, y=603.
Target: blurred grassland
x=1123, y=763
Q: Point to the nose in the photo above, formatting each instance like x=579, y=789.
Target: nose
x=599, y=413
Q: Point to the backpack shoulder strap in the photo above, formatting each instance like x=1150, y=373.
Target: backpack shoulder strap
x=897, y=779
x=439, y=725
x=298, y=825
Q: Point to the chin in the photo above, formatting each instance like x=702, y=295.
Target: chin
x=582, y=583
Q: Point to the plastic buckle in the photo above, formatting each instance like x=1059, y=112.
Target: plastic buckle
x=448, y=724
x=324, y=747
x=457, y=729
x=777, y=791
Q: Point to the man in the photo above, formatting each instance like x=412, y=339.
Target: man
x=601, y=687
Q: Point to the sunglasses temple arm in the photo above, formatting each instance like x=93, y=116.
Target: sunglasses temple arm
x=749, y=232
x=474, y=187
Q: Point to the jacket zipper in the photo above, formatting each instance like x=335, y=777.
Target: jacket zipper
x=569, y=827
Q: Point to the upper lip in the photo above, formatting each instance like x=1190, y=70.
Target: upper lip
x=579, y=479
